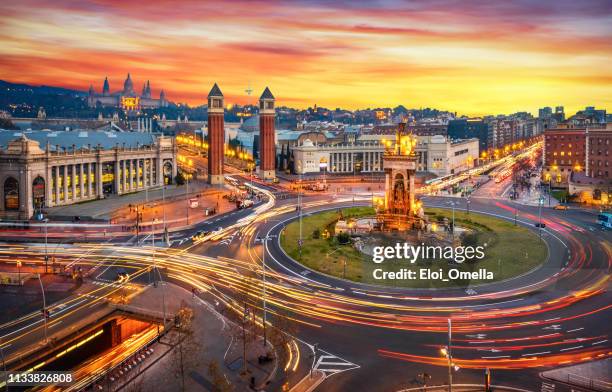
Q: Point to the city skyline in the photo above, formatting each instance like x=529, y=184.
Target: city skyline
x=476, y=60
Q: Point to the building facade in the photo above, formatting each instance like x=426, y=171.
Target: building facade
x=44, y=169
x=570, y=150
x=435, y=154
x=127, y=98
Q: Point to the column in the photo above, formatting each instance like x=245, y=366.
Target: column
x=65, y=183
x=117, y=170
x=56, y=185
x=124, y=175
x=130, y=174
x=138, y=171
x=100, y=192
x=48, y=190
x=81, y=180
x=160, y=174
x=73, y=182
x=89, y=190
x=150, y=172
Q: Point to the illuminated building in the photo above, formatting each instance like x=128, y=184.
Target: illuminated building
x=126, y=99
x=41, y=169
x=399, y=164
x=568, y=150
x=434, y=154
x=216, y=136
x=267, y=144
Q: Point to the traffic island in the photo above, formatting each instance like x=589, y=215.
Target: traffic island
x=508, y=250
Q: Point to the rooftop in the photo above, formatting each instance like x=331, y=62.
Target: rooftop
x=79, y=138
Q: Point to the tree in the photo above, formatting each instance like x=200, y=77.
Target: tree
x=180, y=178
x=343, y=238
x=6, y=123
x=186, y=350
x=316, y=234
x=218, y=379
x=281, y=334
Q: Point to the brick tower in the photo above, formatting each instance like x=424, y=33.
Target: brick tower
x=216, y=136
x=267, y=142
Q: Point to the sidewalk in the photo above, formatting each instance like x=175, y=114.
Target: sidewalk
x=596, y=375
x=103, y=208
x=531, y=196
x=212, y=343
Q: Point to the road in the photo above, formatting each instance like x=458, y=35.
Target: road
x=553, y=316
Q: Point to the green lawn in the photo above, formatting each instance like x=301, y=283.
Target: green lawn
x=510, y=250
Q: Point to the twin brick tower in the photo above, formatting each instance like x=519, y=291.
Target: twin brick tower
x=216, y=135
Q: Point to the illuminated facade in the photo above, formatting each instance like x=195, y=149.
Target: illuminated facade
x=400, y=207
x=42, y=169
x=126, y=99
x=576, y=150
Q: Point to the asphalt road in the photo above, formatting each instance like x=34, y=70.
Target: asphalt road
x=381, y=338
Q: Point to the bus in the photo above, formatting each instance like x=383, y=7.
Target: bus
x=605, y=219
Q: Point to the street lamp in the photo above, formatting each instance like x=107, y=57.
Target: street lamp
x=19, y=271
x=541, y=201
x=46, y=244
x=452, y=203
x=446, y=351
x=44, y=309
x=264, y=242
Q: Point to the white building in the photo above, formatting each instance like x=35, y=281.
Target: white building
x=436, y=154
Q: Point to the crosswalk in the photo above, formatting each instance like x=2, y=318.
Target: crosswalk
x=331, y=364
x=547, y=387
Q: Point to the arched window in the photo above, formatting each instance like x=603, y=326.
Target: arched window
x=38, y=192
x=11, y=194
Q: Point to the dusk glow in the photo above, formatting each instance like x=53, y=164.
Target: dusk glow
x=485, y=57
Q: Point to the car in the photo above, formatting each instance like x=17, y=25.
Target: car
x=561, y=207
x=275, y=180
x=122, y=274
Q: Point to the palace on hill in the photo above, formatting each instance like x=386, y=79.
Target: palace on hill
x=127, y=98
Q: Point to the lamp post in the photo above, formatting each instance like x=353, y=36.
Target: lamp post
x=46, y=246
x=19, y=271
x=300, y=241
x=44, y=310
x=4, y=367
x=264, y=242
x=452, y=203
x=467, y=206
x=187, y=195
x=446, y=351
x=541, y=201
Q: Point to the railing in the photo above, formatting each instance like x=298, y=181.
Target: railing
x=595, y=385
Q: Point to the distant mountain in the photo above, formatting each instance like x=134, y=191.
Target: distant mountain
x=7, y=87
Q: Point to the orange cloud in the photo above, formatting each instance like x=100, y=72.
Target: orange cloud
x=476, y=58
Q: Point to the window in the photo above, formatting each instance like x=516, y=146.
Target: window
x=11, y=194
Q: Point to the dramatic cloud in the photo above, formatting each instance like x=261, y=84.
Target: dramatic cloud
x=472, y=57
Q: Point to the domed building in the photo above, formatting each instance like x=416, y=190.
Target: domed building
x=127, y=98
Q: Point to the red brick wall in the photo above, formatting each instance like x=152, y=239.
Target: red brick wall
x=267, y=148
x=216, y=139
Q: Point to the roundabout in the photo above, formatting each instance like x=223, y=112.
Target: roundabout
x=553, y=315
x=412, y=265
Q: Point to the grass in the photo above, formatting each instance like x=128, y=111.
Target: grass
x=510, y=250
x=560, y=194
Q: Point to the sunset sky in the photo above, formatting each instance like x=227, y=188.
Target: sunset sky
x=473, y=57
